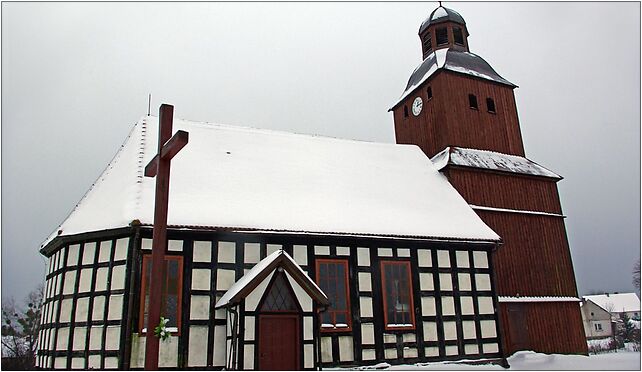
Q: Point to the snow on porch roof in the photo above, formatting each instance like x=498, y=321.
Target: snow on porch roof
x=490, y=160
x=261, y=270
x=254, y=179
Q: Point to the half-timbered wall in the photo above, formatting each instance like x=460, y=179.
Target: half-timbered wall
x=84, y=302
x=453, y=297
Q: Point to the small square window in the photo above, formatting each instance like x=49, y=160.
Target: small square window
x=442, y=36
x=490, y=104
x=472, y=102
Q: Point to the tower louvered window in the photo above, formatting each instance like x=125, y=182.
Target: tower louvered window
x=442, y=35
x=458, y=36
x=427, y=44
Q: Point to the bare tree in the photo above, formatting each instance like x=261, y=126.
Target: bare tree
x=636, y=275
x=20, y=330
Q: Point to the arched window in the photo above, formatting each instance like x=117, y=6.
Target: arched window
x=429, y=92
x=405, y=111
x=472, y=102
x=490, y=105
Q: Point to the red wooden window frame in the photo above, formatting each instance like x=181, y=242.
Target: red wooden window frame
x=333, y=312
x=144, y=288
x=408, y=296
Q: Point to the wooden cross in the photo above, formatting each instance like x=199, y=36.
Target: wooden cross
x=159, y=168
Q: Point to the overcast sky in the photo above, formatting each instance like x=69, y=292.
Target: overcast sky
x=75, y=78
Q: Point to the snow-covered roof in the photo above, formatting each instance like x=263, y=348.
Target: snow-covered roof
x=255, y=179
x=616, y=302
x=451, y=60
x=537, y=299
x=441, y=14
x=490, y=160
x=252, y=278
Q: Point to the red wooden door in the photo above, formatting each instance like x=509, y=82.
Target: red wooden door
x=279, y=342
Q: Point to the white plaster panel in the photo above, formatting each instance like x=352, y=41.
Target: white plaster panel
x=448, y=306
x=77, y=363
x=146, y=243
x=168, y=353
x=197, y=356
x=118, y=277
x=175, y=245
x=462, y=259
x=219, y=346
x=308, y=331
x=485, y=305
x=224, y=279
x=464, y=282
x=369, y=354
x=72, y=255
x=302, y=296
x=85, y=280
x=490, y=348
x=252, y=299
x=115, y=307
x=482, y=282
x=300, y=253
x=390, y=353
x=249, y=328
x=471, y=349
x=365, y=307
x=445, y=282
x=70, y=282
x=99, y=308
x=450, y=331
x=111, y=362
x=367, y=334
x=467, y=305
x=424, y=258
x=248, y=357
x=409, y=352
x=322, y=250
x=469, y=329
x=65, y=310
x=201, y=278
x=122, y=245
x=112, y=339
x=95, y=337
x=202, y=252
x=199, y=307
x=363, y=256
x=480, y=259
x=252, y=252
x=343, y=251
x=101, y=278
x=428, y=306
x=443, y=258
x=488, y=329
x=452, y=350
x=105, y=251
x=60, y=363
x=79, y=338
x=82, y=308
x=271, y=248
x=389, y=338
x=220, y=313
x=63, y=338
x=346, y=349
x=403, y=252
x=409, y=337
x=365, y=282
x=308, y=356
x=227, y=252
x=384, y=252
x=88, y=253
x=326, y=349
x=426, y=282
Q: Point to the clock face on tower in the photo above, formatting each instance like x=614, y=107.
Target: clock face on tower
x=417, y=105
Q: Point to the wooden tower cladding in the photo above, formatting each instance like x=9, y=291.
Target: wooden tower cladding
x=455, y=105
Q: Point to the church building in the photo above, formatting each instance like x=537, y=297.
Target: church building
x=299, y=252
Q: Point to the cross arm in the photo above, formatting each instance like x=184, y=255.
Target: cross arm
x=169, y=150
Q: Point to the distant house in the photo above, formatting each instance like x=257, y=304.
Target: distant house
x=597, y=321
x=618, y=304
x=600, y=313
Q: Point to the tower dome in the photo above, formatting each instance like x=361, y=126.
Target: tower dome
x=441, y=14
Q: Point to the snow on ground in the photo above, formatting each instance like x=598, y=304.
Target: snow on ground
x=531, y=361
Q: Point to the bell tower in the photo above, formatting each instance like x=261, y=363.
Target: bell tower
x=463, y=115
